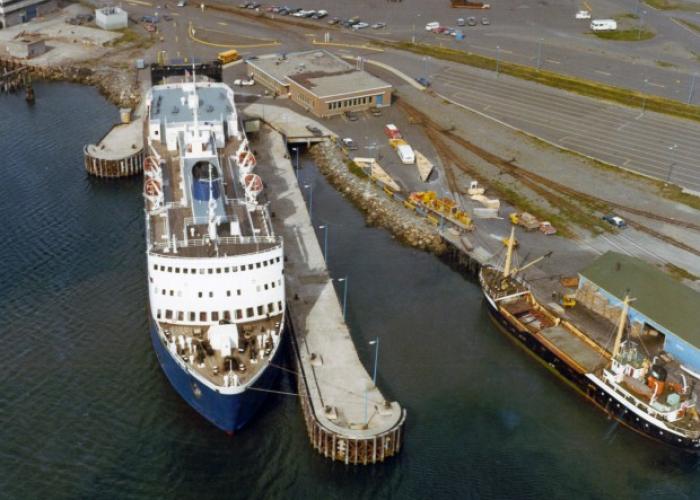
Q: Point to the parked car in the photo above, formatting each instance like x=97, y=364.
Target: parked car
x=439, y=29
x=460, y=21
x=347, y=23
x=423, y=81
x=616, y=221
x=378, y=26
x=254, y=5
x=244, y=83
x=351, y=116
x=360, y=26
x=432, y=25
x=471, y=21
x=181, y=3
x=349, y=143
x=320, y=14
x=583, y=14
x=485, y=21
x=375, y=111
x=334, y=20
x=314, y=130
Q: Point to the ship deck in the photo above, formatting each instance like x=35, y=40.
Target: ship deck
x=575, y=347
x=246, y=360
x=183, y=218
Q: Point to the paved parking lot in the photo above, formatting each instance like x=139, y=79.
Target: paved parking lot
x=649, y=143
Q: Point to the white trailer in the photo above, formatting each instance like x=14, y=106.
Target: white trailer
x=603, y=25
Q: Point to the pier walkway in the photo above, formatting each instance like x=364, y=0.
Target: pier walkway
x=347, y=418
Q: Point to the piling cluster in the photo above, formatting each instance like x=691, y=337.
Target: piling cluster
x=379, y=209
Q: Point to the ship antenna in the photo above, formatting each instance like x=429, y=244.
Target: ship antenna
x=621, y=325
x=509, y=254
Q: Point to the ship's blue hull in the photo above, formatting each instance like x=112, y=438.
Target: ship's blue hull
x=229, y=412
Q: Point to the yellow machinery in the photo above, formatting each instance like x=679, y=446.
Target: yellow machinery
x=446, y=207
x=568, y=300
x=514, y=218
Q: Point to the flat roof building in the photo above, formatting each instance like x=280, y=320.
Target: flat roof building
x=664, y=312
x=111, y=18
x=26, y=47
x=320, y=82
x=14, y=12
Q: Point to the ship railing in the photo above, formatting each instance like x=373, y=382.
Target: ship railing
x=227, y=240
x=649, y=410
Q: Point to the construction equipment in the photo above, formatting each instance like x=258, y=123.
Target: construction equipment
x=547, y=229
x=568, y=300
x=445, y=207
x=524, y=219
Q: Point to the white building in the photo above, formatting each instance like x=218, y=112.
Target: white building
x=111, y=18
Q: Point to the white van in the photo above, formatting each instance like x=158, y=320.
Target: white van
x=603, y=25
x=432, y=25
x=406, y=154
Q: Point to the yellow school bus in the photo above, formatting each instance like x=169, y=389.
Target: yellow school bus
x=228, y=56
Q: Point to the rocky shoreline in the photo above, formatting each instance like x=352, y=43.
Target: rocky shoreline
x=379, y=210
x=118, y=85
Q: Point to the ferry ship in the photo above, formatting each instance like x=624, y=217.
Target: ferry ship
x=639, y=385
x=215, y=265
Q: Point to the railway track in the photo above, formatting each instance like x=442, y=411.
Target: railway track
x=561, y=196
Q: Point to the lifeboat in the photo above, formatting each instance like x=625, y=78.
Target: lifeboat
x=153, y=191
x=151, y=167
x=253, y=187
x=248, y=163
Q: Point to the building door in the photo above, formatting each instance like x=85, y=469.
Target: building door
x=379, y=100
x=31, y=13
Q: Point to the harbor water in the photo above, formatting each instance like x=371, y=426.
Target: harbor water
x=85, y=411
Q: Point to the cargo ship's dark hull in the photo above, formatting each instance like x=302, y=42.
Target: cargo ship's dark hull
x=585, y=386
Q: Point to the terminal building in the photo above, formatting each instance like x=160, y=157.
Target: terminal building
x=320, y=82
x=111, y=18
x=664, y=315
x=14, y=12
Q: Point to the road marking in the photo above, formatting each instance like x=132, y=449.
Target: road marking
x=603, y=72
x=623, y=125
x=221, y=23
x=685, y=27
x=487, y=107
x=652, y=84
x=553, y=61
x=139, y=2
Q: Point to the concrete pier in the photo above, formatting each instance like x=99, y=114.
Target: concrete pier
x=117, y=154
x=348, y=419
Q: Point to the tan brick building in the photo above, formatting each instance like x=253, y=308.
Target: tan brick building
x=320, y=82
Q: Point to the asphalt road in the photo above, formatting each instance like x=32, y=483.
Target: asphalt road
x=649, y=143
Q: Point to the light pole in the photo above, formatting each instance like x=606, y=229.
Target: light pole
x=345, y=294
x=375, y=343
x=296, y=167
x=644, y=96
x=692, y=88
x=498, y=59
x=639, y=28
x=425, y=66
x=539, y=53
x=325, y=242
x=311, y=199
x=671, y=149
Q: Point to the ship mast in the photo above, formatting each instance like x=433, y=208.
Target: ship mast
x=621, y=326
x=509, y=254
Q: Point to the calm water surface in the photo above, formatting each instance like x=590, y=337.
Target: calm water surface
x=85, y=411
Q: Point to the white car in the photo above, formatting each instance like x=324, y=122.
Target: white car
x=244, y=83
x=360, y=26
x=431, y=26
x=583, y=14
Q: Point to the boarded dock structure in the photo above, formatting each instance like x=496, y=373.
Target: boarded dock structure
x=347, y=418
x=117, y=154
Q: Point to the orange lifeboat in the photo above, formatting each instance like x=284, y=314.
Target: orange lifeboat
x=152, y=188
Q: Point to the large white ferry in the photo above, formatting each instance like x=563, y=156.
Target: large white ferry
x=215, y=266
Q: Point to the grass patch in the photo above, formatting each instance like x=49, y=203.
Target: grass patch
x=132, y=38
x=626, y=15
x=628, y=35
x=688, y=24
x=679, y=273
x=665, y=64
x=670, y=5
x=580, y=86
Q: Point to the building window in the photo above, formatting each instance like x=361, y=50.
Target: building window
x=193, y=271
x=215, y=315
x=226, y=269
x=267, y=286
x=199, y=295
x=202, y=316
x=168, y=314
x=180, y=316
x=158, y=314
x=227, y=315
x=239, y=314
x=234, y=269
x=218, y=270
x=177, y=270
x=271, y=307
x=238, y=292
x=211, y=270
x=193, y=316
x=155, y=267
x=211, y=294
x=260, y=310
x=228, y=293
x=170, y=269
x=171, y=293
x=258, y=265
x=279, y=305
x=249, y=312
x=185, y=270
x=163, y=291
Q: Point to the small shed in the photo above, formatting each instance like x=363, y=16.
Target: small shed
x=26, y=47
x=663, y=308
x=111, y=18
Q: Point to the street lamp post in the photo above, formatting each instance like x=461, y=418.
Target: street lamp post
x=311, y=199
x=671, y=149
x=325, y=242
x=692, y=88
x=375, y=343
x=539, y=53
x=296, y=166
x=498, y=59
x=345, y=295
x=644, y=96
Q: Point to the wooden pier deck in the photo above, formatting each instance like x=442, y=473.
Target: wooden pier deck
x=333, y=384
